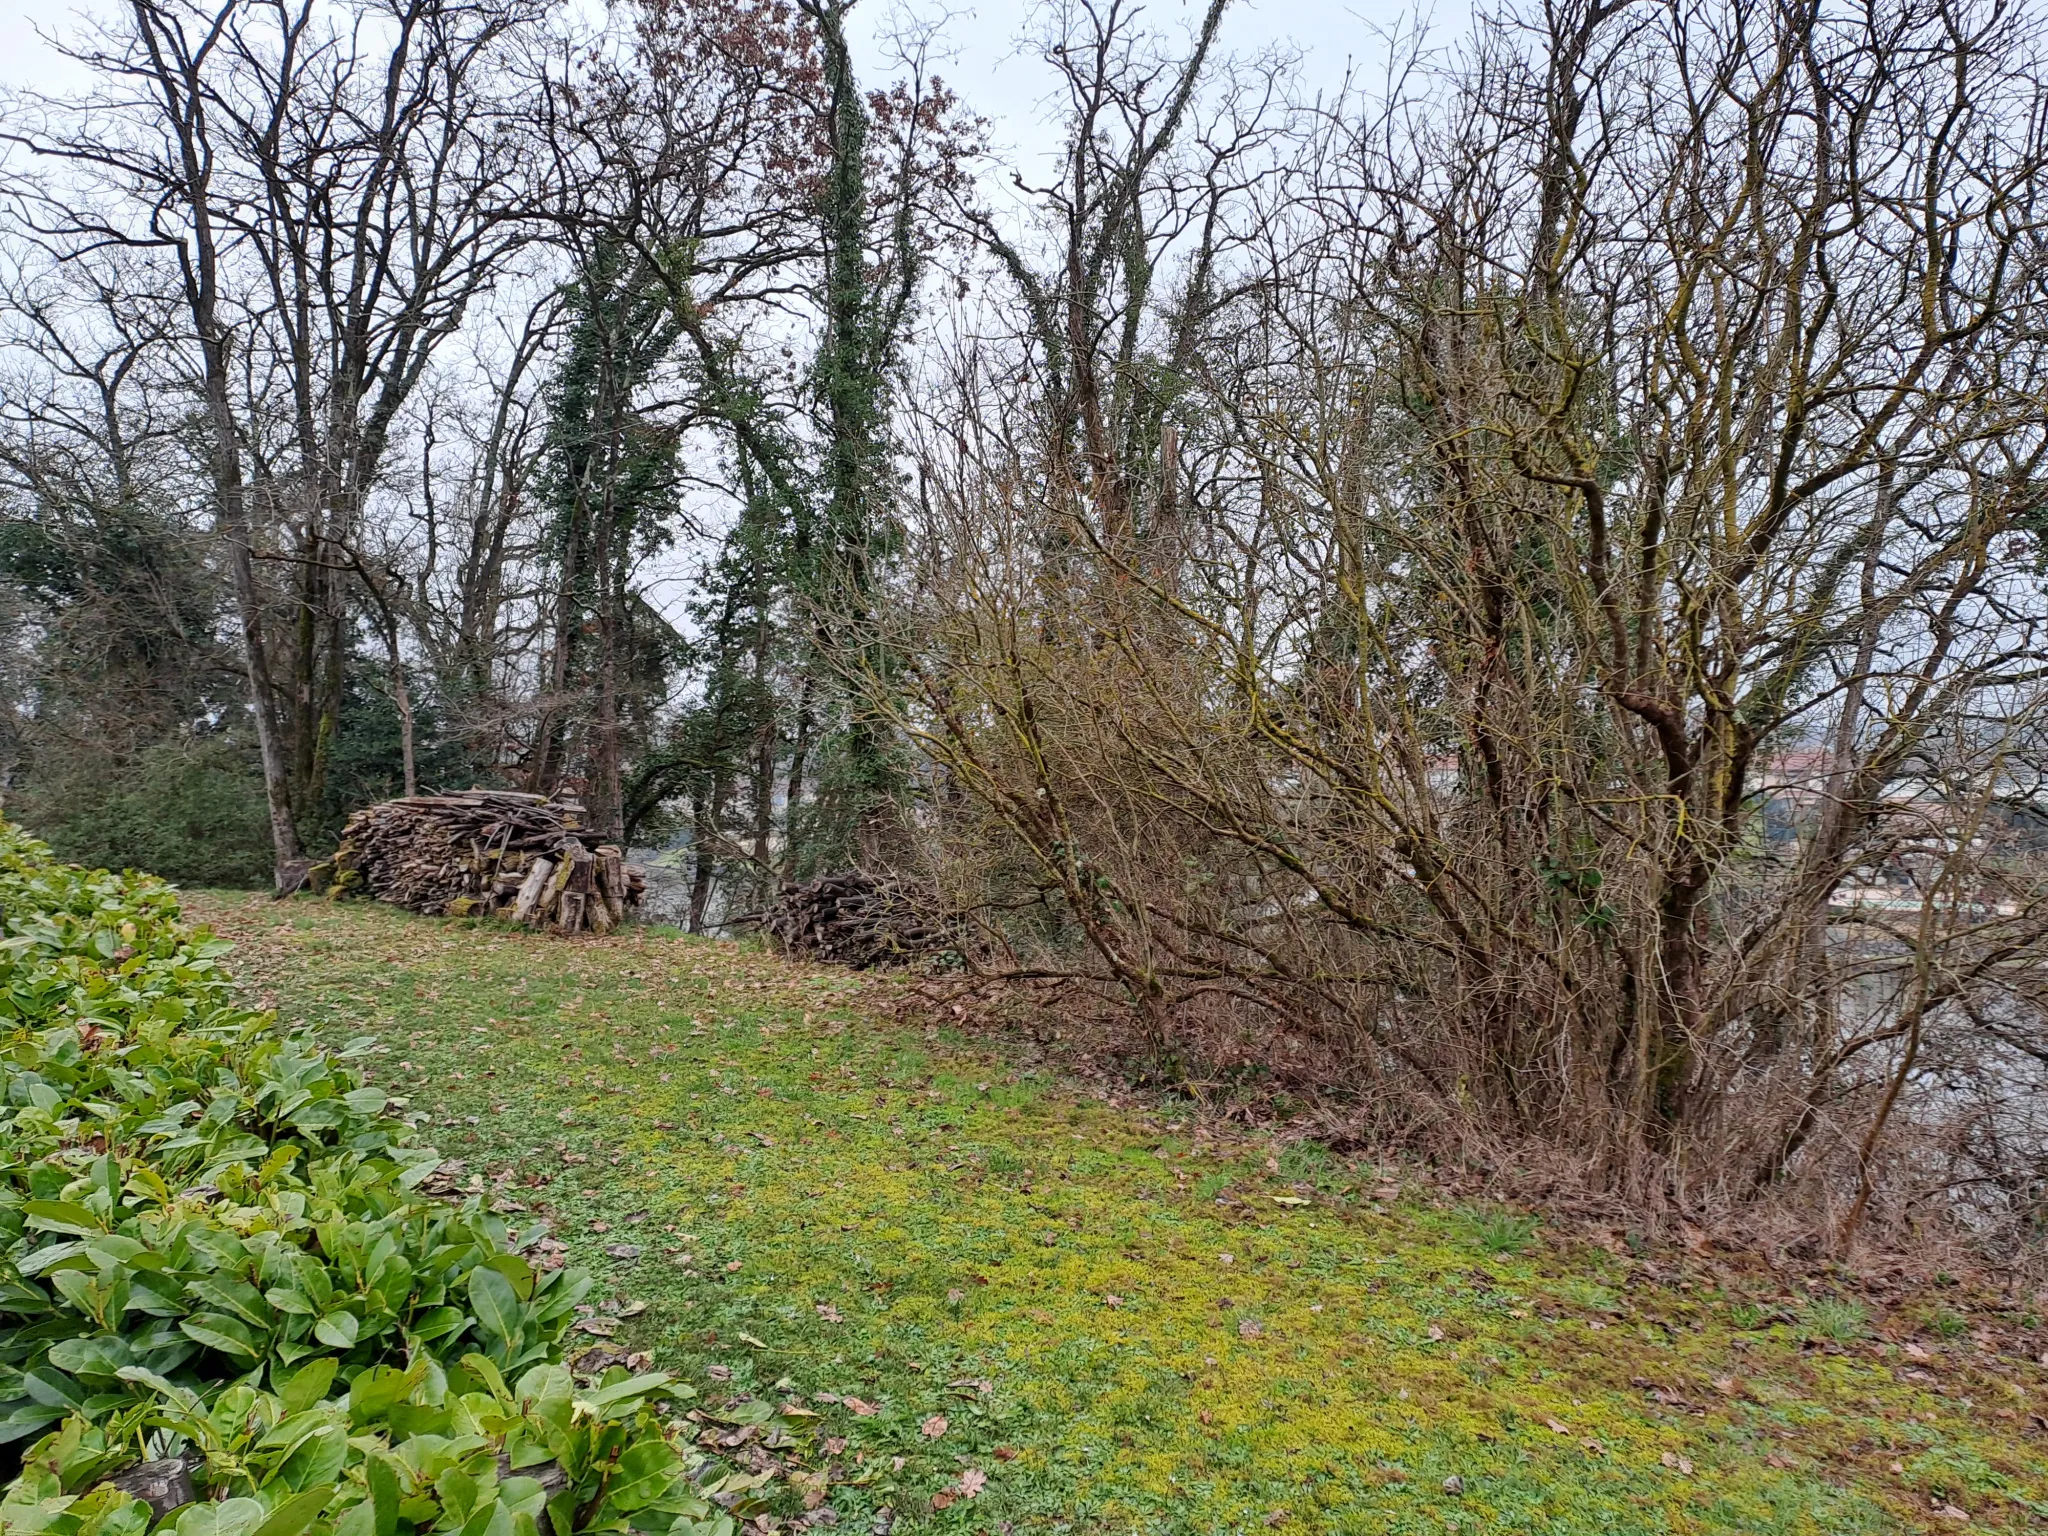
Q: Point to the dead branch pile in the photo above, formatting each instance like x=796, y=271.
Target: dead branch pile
x=852, y=918
x=484, y=850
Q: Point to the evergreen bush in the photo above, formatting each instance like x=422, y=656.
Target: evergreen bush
x=214, y=1247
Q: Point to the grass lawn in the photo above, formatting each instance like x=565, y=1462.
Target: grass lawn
x=970, y=1269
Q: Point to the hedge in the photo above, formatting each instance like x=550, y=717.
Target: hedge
x=214, y=1248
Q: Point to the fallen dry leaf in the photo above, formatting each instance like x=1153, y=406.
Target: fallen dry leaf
x=972, y=1481
x=1556, y=1428
x=933, y=1427
x=863, y=1410
x=829, y=1312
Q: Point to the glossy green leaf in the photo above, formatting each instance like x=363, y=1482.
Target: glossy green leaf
x=644, y=1473
x=62, y=1216
x=496, y=1306
x=376, y=1392
x=308, y=1384
x=227, y=1334
x=339, y=1329
x=295, y=1514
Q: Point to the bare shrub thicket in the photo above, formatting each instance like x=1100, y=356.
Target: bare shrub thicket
x=1519, y=594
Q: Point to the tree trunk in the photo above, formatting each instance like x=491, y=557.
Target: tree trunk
x=793, y=797
x=702, y=837
x=402, y=697
x=763, y=768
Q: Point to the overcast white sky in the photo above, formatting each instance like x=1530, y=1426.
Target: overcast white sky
x=978, y=53
x=1006, y=85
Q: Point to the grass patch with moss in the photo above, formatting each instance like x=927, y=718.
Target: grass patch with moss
x=972, y=1271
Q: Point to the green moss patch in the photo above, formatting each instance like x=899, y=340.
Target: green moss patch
x=1014, y=1307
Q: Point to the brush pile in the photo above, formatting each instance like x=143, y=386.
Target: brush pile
x=484, y=851
x=852, y=918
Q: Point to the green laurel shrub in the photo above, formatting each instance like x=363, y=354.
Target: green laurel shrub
x=213, y=1245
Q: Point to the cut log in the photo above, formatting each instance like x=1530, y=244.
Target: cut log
x=529, y=890
x=612, y=881
x=486, y=851
x=162, y=1485
x=569, y=911
x=853, y=918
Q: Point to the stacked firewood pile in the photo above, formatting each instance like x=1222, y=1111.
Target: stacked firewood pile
x=852, y=918
x=484, y=850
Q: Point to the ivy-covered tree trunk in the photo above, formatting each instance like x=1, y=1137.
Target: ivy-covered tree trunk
x=865, y=305
x=611, y=479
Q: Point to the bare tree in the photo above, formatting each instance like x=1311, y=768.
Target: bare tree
x=329, y=202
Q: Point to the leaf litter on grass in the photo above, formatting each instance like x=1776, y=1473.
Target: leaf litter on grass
x=868, y=1211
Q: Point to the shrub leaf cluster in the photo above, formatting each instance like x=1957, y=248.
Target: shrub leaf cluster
x=214, y=1248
